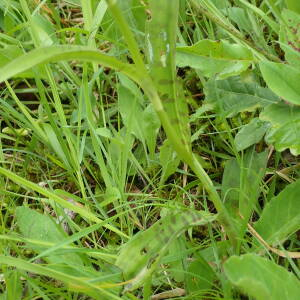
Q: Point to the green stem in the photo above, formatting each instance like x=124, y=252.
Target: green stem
x=189, y=158
x=127, y=34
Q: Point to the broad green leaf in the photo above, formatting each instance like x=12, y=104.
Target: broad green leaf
x=132, y=87
x=284, y=132
x=140, y=256
x=134, y=15
x=261, y=278
x=161, y=40
x=281, y=216
x=212, y=58
x=241, y=183
x=104, y=132
x=293, y=5
x=282, y=79
x=220, y=4
x=250, y=134
x=36, y=226
x=232, y=96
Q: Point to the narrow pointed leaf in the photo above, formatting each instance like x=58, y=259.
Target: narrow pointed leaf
x=66, y=52
x=161, y=40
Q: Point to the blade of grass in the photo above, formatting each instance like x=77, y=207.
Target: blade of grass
x=66, y=52
x=72, y=281
x=64, y=203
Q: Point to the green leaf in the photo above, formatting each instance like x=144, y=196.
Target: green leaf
x=151, y=125
x=44, y=30
x=9, y=53
x=64, y=52
x=232, y=96
x=282, y=79
x=241, y=183
x=142, y=123
x=36, y=226
x=55, y=144
x=140, y=256
x=212, y=58
x=250, y=134
x=177, y=267
x=200, y=276
x=104, y=132
x=289, y=35
x=239, y=16
x=168, y=160
x=284, y=132
x=131, y=112
x=84, y=212
x=79, y=284
x=293, y=5
x=161, y=40
x=261, y=278
x=13, y=284
x=281, y=216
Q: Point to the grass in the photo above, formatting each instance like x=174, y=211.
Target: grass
x=146, y=151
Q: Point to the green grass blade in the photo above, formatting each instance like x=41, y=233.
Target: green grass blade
x=65, y=52
x=64, y=203
x=127, y=34
x=72, y=281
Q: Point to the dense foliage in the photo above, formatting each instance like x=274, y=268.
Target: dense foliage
x=149, y=149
